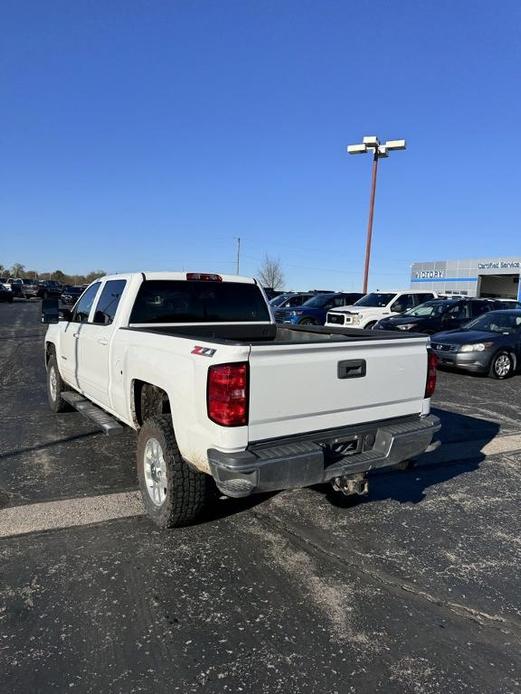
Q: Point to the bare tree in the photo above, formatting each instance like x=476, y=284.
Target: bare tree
x=18, y=269
x=270, y=273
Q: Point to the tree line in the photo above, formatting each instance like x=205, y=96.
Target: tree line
x=19, y=270
x=270, y=274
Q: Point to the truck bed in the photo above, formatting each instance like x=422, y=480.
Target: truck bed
x=259, y=334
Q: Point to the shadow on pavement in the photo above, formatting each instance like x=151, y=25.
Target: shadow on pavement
x=410, y=486
x=459, y=427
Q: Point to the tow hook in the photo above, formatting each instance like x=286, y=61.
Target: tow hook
x=351, y=484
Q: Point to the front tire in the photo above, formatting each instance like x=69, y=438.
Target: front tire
x=371, y=325
x=55, y=387
x=502, y=366
x=173, y=493
x=307, y=321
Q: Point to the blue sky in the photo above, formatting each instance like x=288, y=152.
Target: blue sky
x=148, y=134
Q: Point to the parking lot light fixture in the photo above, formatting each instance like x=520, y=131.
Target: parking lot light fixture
x=371, y=143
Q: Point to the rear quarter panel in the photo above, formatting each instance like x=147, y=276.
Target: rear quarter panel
x=167, y=361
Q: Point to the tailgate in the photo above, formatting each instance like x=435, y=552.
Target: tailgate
x=310, y=387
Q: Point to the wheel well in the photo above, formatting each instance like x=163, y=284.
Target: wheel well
x=50, y=350
x=148, y=400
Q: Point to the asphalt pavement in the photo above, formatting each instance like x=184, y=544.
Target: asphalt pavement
x=414, y=588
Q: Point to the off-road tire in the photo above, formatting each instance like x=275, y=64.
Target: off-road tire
x=188, y=492
x=56, y=402
x=494, y=369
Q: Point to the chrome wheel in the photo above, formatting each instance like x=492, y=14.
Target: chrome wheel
x=53, y=383
x=155, y=472
x=502, y=365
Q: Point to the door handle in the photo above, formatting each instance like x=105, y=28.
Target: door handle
x=351, y=368
x=76, y=335
x=102, y=341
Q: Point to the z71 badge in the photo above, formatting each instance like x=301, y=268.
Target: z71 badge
x=204, y=351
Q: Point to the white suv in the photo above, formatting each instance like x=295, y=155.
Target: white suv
x=371, y=308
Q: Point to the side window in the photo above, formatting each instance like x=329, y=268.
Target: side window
x=477, y=308
x=422, y=298
x=339, y=301
x=84, y=305
x=461, y=312
x=109, y=301
x=402, y=303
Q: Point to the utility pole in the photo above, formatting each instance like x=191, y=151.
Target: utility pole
x=238, y=239
x=372, y=144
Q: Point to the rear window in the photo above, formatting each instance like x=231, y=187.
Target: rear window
x=178, y=301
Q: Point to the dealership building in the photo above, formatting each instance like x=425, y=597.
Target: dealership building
x=487, y=277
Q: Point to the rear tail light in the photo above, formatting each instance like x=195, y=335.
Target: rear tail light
x=227, y=394
x=432, y=362
x=204, y=277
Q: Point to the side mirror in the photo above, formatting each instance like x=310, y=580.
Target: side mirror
x=50, y=311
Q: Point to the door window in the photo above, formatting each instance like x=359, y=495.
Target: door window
x=109, y=301
x=460, y=312
x=422, y=298
x=339, y=301
x=402, y=303
x=84, y=305
x=477, y=308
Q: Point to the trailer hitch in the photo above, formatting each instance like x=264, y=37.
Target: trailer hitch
x=351, y=484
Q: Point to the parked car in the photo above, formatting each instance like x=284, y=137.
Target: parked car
x=223, y=397
x=49, y=289
x=439, y=314
x=29, y=288
x=292, y=301
x=314, y=310
x=16, y=285
x=489, y=344
x=6, y=293
x=372, y=307
x=70, y=294
x=277, y=300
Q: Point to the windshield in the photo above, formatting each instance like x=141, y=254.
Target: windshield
x=181, y=301
x=278, y=300
x=375, y=299
x=497, y=322
x=318, y=301
x=429, y=309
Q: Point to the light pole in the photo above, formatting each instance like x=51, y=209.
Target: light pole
x=372, y=144
x=238, y=263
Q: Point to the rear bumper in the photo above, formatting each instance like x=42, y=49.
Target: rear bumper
x=304, y=460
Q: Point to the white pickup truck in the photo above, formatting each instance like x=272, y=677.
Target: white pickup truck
x=367, y=311
x=222, y=397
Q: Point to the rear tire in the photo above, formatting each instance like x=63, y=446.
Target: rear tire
x=502, y=365
x=173, y=493
x=55, y=387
